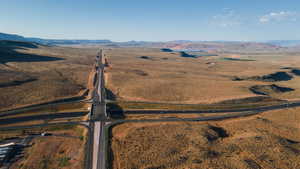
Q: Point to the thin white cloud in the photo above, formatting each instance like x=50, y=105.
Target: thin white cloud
x=227, y=18
x=278, y=17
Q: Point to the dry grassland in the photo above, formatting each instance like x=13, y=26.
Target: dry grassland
x=33, y=73
x=168, y=77
x=269, y=140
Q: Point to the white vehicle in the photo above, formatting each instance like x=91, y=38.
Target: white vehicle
x=7, y=145
x=46, y=134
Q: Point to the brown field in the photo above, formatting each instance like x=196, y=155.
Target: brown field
x=169, y=78
x=52, y=151
x=269, y=140
x=32, y=73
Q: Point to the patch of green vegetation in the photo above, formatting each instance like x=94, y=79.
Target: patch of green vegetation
x=59, y=127
x=64, y=161
x=81, y=138
x=44, y=163
x=79, y=131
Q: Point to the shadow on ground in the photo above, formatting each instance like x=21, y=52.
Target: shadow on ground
x=8, y=53
x=17, y=82
x=110, y=95
x=186, y=55
x=274, y=77
x=115, y=111
x=269, y=89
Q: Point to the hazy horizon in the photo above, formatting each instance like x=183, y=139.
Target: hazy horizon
x=187, y=40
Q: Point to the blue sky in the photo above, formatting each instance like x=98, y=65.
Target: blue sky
x=153, y=20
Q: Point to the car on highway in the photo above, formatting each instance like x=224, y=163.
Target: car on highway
x=46, y=134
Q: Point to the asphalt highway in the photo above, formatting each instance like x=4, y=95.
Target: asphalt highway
x=264, y=108
x=98, y=117
x=13, y=120
x=97, y=128
x=208, y=118
x=17, y=111
x=82, y=123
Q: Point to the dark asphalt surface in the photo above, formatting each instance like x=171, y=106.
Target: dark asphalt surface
x=265, y=108
x=98, y=116
x=43, y=125
x=208, y=118
x=12, y=120
x=101, y=151
x=42, y=105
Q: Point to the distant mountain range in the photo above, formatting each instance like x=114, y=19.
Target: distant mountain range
x=4, y=36
x=178, y=45
x=285, y=43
